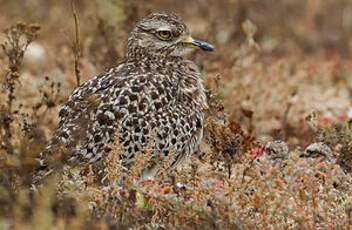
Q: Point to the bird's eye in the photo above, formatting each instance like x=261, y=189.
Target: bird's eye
x=164, y=34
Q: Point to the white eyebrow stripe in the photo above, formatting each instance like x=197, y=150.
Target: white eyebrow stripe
x=163, y=28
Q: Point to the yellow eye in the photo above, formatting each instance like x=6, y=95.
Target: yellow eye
x=164, y=34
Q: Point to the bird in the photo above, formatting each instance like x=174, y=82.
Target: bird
x=337, y=162
x=154, y=96
x=322, y=151
x=277, y=152
x=319, y=150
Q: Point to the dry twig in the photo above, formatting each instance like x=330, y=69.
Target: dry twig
x=77, y=45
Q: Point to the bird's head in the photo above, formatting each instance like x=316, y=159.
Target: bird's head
x=318, y=150
x=163, y=34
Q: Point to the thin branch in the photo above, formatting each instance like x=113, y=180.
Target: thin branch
x=77, y=44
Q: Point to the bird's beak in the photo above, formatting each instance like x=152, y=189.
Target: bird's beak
x=195, y=44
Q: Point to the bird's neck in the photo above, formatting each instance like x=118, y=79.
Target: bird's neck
x=185, y=73
x=141, y=54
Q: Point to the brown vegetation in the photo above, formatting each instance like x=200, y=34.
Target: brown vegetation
x=281, y=70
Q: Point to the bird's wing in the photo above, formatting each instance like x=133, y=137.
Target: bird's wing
x=75, y=114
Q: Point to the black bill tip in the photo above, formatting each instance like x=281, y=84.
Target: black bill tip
x=203, y=45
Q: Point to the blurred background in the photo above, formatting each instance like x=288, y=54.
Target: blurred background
x=281, y=60
x=283, y=26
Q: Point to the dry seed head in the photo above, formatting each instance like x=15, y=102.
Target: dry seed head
x=114, y=167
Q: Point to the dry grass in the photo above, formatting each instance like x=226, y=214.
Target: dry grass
x=266, y=81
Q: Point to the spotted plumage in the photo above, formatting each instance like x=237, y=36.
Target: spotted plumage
x=322, y=152
x=319, y=150
x=154, y=95
x=277, y=152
